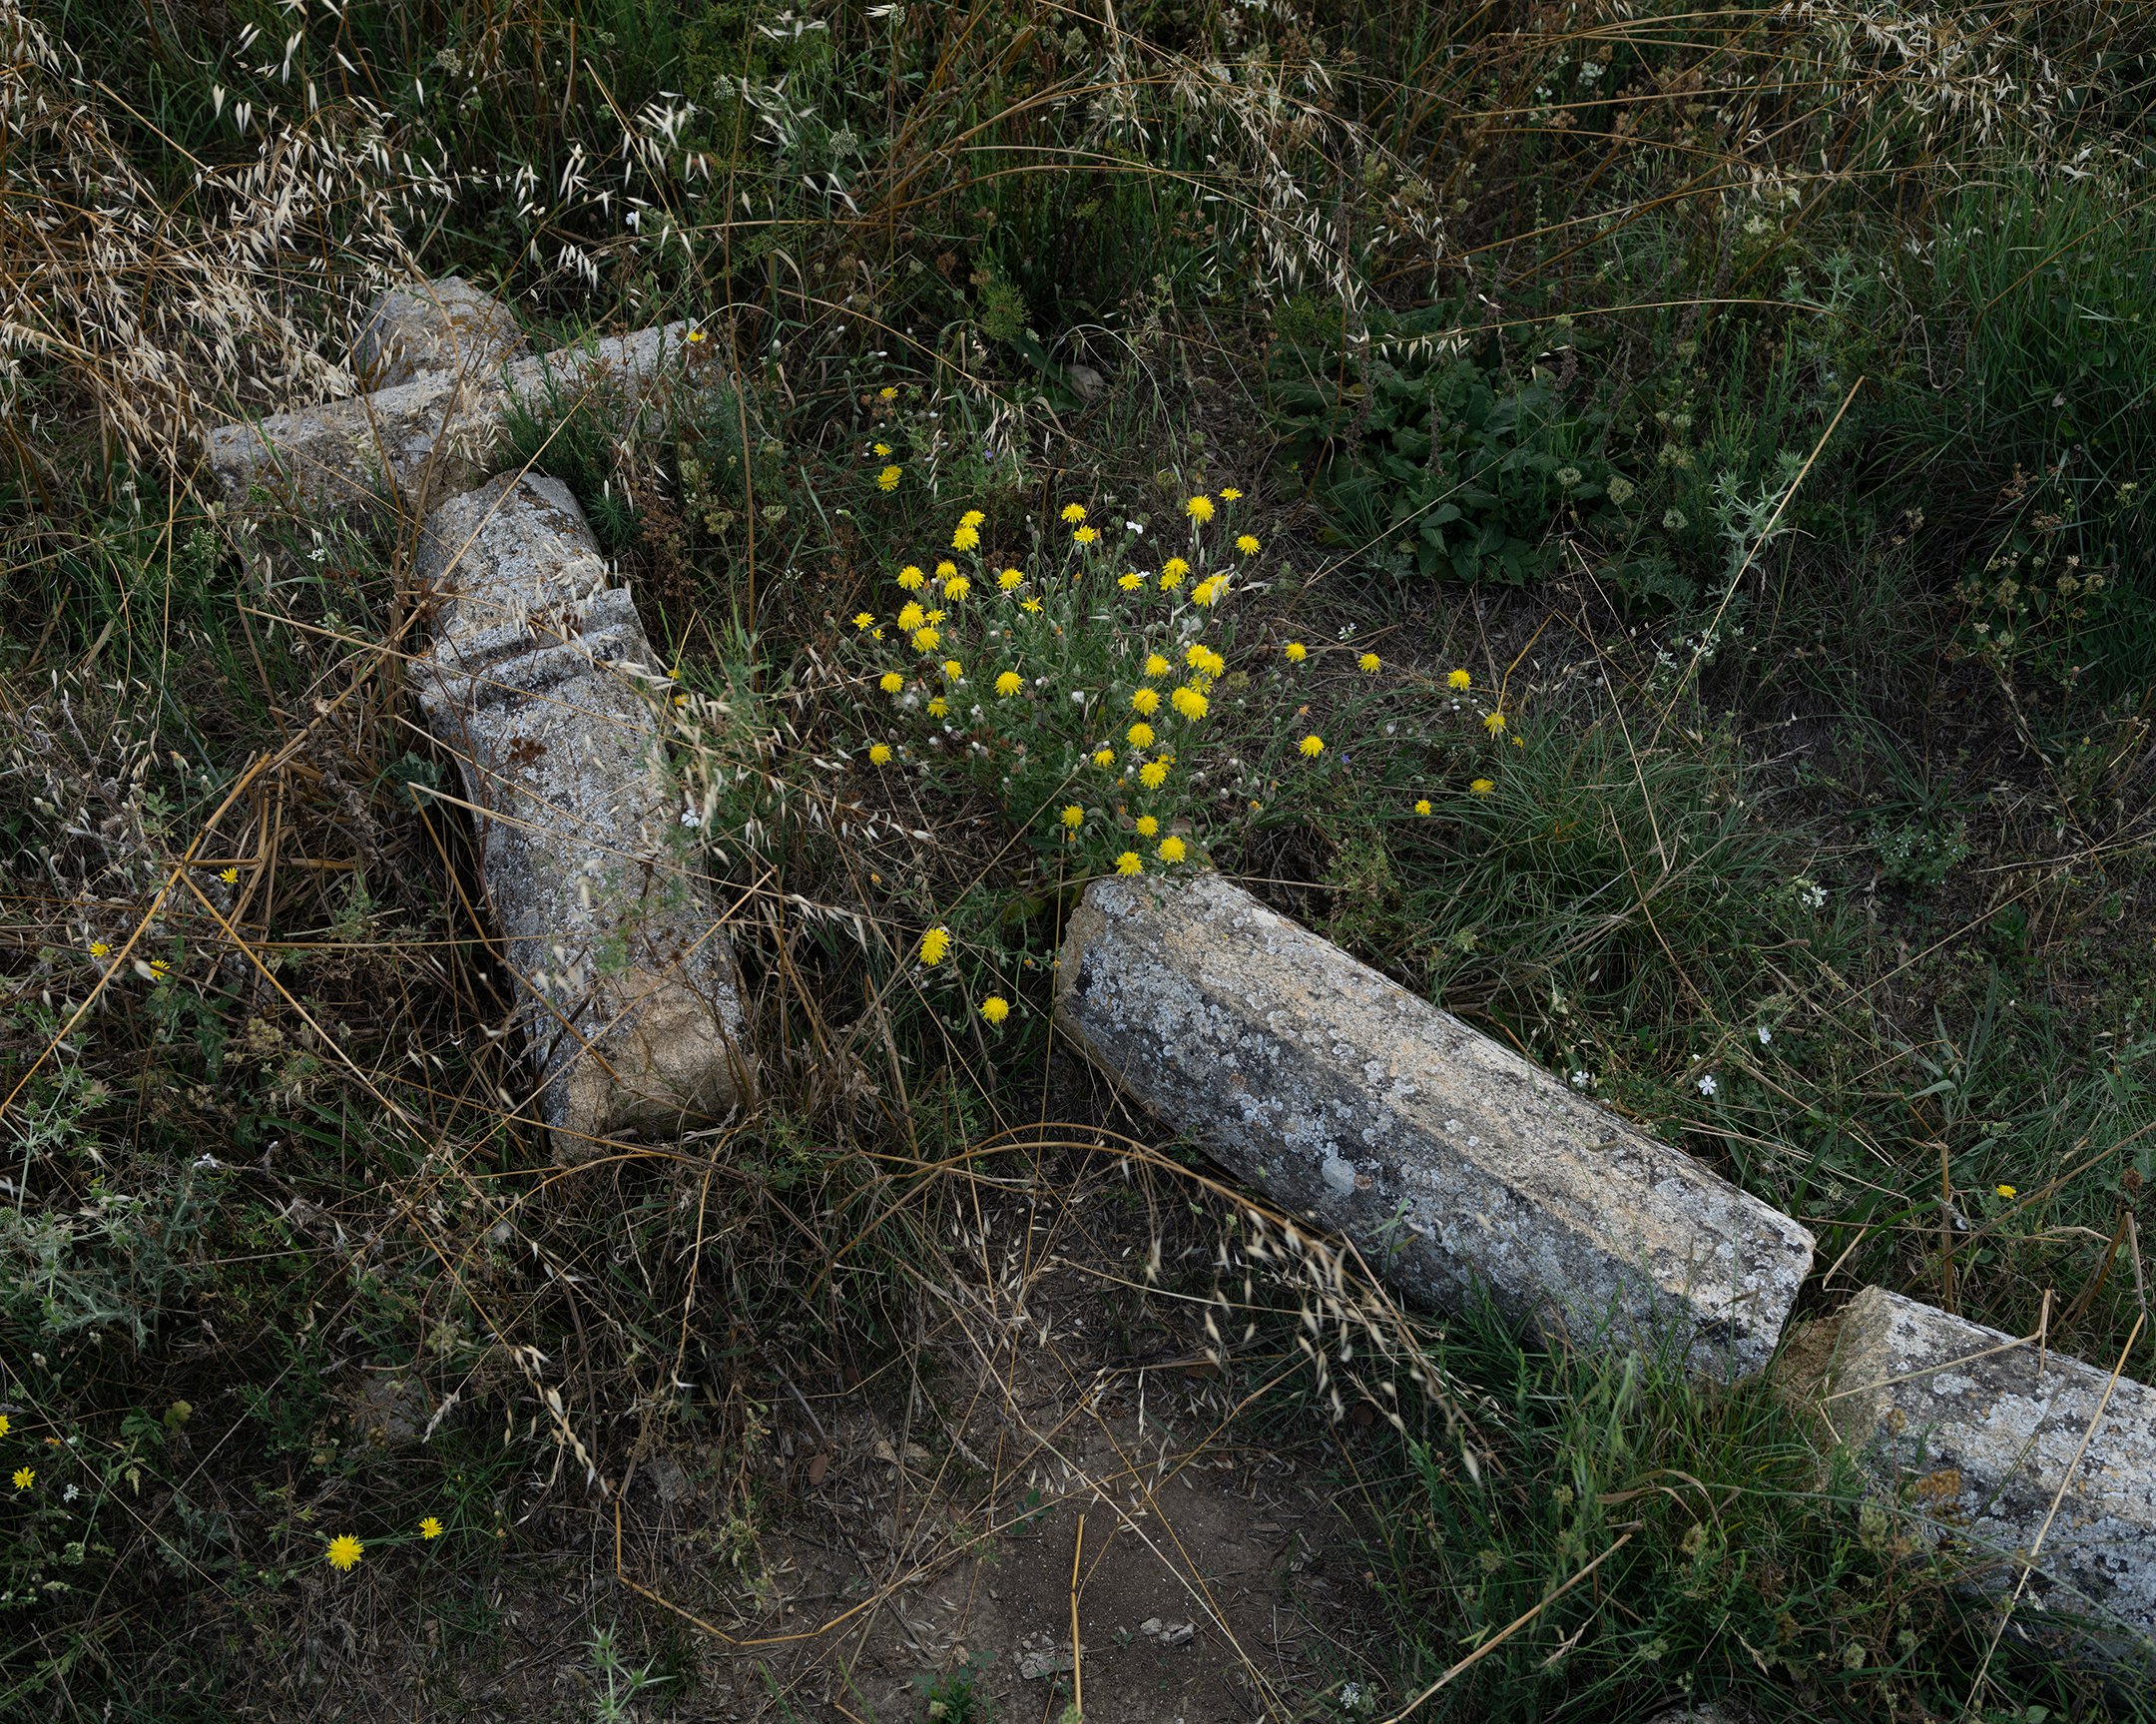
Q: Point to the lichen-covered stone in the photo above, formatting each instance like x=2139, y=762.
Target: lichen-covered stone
x=1452, y=1162
x=1976, y=1431
x=443, y=326
x=401, y=451
x=540, y=682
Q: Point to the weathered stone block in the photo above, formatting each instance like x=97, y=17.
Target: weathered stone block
x=1978, y=1431
x=1451, y=1161
x=444, y=325
x=401, y=451
x=540, y=683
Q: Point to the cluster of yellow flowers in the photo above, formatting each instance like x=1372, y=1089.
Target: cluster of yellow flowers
x=1078, y=679
x=1151, y=662
x=1459, y=681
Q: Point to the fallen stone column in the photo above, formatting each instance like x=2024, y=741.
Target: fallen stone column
x=1978, y=1431
x=540, y=683
x=406, y=448
x=1451, y=1162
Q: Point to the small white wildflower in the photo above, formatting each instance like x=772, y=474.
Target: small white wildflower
x=690, y=818
x=1707, y=1085
x=1580, y=1080
x=1766, y=1035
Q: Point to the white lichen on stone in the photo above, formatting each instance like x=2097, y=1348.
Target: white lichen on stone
x=1977, y=1432
x=398, y=451
x=441, y=325
x=1452, y=1162
x=540, y=683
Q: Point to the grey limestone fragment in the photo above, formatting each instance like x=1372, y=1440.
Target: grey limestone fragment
x=540, y=683
x=443, y=326
x=1978, y=1431
x=401, y=451
x=1449, y=1160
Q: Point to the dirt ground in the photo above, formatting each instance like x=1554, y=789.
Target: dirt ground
x=912, y=1545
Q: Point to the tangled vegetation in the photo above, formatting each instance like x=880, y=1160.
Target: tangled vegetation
x=1634, y=520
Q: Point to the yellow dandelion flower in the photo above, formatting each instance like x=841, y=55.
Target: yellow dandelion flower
x=1189, y=702
x=1085, y=535
x=911, y=616
x=1209, y=589
x=936, y=945
x=883, y=451
x=863, y=620
x=1171, y=850
x=2006, y=1190
x=230, y=875
x=1072, y=816
x=945, y=569
x=6, y=1425
x=1145, y=702
x=1200, y=509
x=1246, y=543
x=957, y=588
x=1296, y=652
x=430, y=1528
x=971, y=518
x=935, y=616
x=1229, y=494
x=1494, y=724
x=1073, y=513
x=938, y=707
x=1104, y=758
x=1008, y=683
x=25, y=1476
x=1009, y=578
x=1422, y=804
x=696, y=337
x=97, y=949
x=953, y=669
x=966, y=539
x=886, y=394
x=995, y=1008
x=1146, y=826
x=927, y=640
x=1130, y=583
x=888, y=479
x=344, y=1553
x=1032, y=605
x=1312, y=746
x=911, y=578
x=1457, y=678
x=1173, y=571
x=1155, y=665
x=1371, y=663
x=879, y=754
x=1128, y=863
x=1482, y=787
x=1153, y=774
x=1140, y=735
x=891, y=682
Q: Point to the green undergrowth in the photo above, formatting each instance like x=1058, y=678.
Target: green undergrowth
x=1639, y=1540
